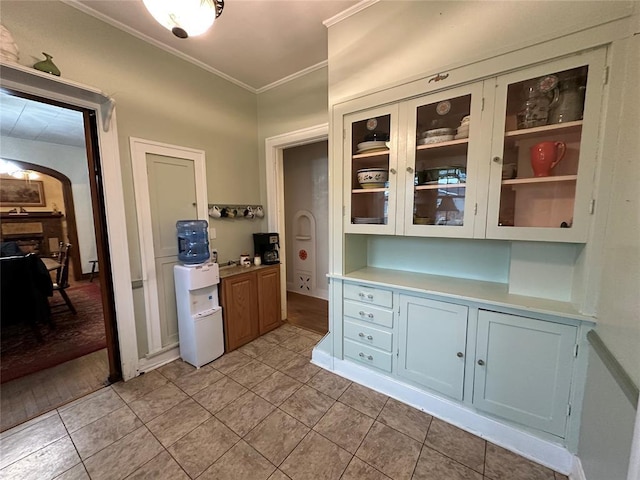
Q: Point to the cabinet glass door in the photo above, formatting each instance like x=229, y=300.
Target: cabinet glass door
x=370, y=171
x=546, y=126
x=440, y=178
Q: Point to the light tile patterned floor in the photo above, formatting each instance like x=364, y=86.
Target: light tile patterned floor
x=261, y=412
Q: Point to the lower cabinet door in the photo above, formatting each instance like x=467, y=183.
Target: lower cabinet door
x=269, y=298
x=523, y=370
x=239, y=310
x=432, y=344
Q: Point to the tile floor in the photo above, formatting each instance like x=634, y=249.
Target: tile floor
x=260, y=412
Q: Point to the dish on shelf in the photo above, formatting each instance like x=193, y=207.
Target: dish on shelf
x=373, y=145
x=368, y=220
x=461, y=135
x=437, y=132
x=442, y=175
x=374, y=177
x=432, y=140
x=422, y=220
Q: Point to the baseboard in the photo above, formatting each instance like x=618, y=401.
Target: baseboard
x=544, y=452
x=155, y=361
x=577, y=473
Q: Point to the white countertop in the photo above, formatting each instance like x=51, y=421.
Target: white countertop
x=488, y=293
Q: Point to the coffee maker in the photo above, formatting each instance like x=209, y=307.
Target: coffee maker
x=266, y=245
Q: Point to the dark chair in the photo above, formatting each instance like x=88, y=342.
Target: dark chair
x=62, y=276
x=25, y=286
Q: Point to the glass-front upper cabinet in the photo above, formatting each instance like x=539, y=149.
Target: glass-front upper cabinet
x=371, y=155
x=443, y=148
x=544, y=150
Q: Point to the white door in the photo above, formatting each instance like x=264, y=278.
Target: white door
x=170, y=186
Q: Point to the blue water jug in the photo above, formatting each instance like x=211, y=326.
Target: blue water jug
x=193, y=241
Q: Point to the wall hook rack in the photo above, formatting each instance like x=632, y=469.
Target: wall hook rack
x=224, y=210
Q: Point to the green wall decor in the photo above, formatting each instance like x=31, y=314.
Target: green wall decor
x=47, y=65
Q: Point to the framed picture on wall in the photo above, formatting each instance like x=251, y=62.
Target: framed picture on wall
x=21, y=193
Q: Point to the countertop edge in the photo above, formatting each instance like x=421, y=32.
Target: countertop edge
x=231, y=271
x=477, y=291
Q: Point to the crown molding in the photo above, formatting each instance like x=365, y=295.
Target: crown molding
x=120, y=26
x=358, y=7
x=293, y=76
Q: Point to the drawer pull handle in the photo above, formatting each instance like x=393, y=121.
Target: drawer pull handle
x=370, y=315
x=460, y=354
x=481, y=362
x=369, y=357
x=370, y=296
x=369, y=337
x=361, y=294
x=362, y=355
x=361, y=334
x=361, y=313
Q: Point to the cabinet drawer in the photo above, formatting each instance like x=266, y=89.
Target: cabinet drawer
x=368, y=335
x=367, y=355
x=368, y=313
x=374, y=296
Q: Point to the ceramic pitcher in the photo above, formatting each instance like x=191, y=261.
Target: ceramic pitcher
x=545, y=156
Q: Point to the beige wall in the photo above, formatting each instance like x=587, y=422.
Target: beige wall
x=159, y=97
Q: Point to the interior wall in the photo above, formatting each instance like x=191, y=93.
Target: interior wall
x=159, y=97
x=306, y=187
x=71, y=162
x=297, y=104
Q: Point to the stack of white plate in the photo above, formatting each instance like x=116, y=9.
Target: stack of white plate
x=369, y=220
x=436, y=136
x=374, y=145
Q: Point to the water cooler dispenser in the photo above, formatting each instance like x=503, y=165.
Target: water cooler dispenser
x=199, y=312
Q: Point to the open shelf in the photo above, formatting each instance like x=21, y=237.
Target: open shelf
x=369, y=190
x=449, y=143
x=440, y=186
x=524, y=181
x=555, y=128
x=375, y=153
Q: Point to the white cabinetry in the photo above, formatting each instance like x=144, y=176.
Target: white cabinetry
x=523, y=370
x=432, y=340
x=460, y=161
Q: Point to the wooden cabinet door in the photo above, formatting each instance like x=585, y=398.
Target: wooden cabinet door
x=269, y=298
x=432, y=344
x=240, y=310
x=523, y=370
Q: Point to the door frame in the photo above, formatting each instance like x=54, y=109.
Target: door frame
x=139, y=150
x=28, y=81
x=274, y=169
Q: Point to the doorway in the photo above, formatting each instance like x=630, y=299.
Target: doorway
x=53, y=376
x=297, y=308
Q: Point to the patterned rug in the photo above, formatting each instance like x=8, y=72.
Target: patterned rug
x=73, y=337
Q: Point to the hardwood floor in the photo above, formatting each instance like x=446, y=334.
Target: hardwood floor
x=308, y=312
x=27, y=397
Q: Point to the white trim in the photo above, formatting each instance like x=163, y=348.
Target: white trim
x=634, y=461
x=156, y=361
x=274, y=147
x=139, y=150
x=293, y=76
x=577, y=473
x=358, y=7
x=315, y=293
x=525, y=444
x=72, y=93
x=156, y=43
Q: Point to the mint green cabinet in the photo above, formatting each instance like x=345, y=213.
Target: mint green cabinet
x=432, y=344
x=523, y=370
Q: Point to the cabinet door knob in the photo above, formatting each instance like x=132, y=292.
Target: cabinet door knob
x=460, y=354
x=369, y=337
x=409, y=169
x=392, y=171
x=481, y=362
x=361, y=334
x=496, y=159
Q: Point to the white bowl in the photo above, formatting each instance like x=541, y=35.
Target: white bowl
x=438, y=139
x=373, y=145
x=372, y=177
x=438, y=132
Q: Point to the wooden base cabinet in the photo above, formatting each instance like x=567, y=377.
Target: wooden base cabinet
x=250, y=305
x=523, y=370
x=432, y=344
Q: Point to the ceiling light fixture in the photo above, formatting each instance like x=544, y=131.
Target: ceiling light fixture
x=185, y=18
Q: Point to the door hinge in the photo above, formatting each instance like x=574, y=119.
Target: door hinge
x=592, y=206
x=475, y=209
x=344, y=210
x=398, y=353
x=575, y=350
x=605, y=77
x=568, y=409
x=344, y=133
x=482, y=109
